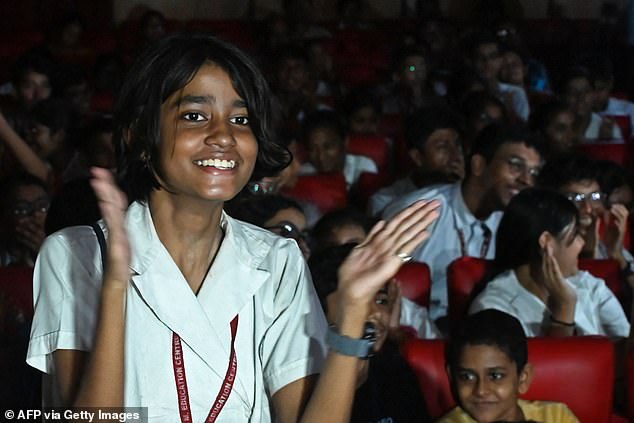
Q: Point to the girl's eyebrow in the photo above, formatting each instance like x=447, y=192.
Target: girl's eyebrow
x=205, y=99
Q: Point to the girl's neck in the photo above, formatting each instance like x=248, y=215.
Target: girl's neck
x=189, y=230
x=531, y=279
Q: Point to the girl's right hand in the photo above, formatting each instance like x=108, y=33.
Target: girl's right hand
x=113, y=205
x=562, y=297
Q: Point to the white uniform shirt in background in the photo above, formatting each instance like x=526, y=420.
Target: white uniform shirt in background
x=598, y=311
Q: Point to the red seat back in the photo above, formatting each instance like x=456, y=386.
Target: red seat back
x=16, y=282
x=327, y=191
x=415, y=281
x=465, y=280
x=590, y=359
x=610, y=271
x=373, y=146
x=618, y=153
x=630, y=385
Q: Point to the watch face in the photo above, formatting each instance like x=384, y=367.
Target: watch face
x=369, y=334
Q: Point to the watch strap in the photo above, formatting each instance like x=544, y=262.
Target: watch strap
x=345, y=345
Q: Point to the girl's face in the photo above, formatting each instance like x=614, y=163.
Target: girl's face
x=208, y=150
x=488, y=384
x=578, y=95
x=566, y=249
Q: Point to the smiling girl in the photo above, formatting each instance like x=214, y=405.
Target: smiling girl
x=198, y=315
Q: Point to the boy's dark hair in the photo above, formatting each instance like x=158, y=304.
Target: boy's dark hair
x=544, y=115
x=322, y=119
x=324, y=267
x=85, y=140
x=31, y=63
x=566, y=168
x=402, y=53
x=360, y=98
x=424, y=121
x=492, y=328
x=74, y=204
x=474, y=104
x=480, y=38
x=160, y=71
x=258, y=209
x=611, y=175
x=495, y=135
x=525, y=218
x=336, y=219
x=570, y=74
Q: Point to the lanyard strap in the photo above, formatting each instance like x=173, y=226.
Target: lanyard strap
x=485, y=242
x=178, y=361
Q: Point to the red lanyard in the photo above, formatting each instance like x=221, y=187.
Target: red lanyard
x=485, y=242
x=181, y=381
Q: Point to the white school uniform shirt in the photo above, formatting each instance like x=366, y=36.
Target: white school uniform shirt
x=619, y=107
x=591, y=135
x=597, y=312
x=353, y=167
x=416, y=318
x=518, y=99
x=380, y=199
x=443, y=245
x=259, y=276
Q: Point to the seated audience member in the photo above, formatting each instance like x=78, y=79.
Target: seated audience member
x=409, y=89
x=325, y=138
x=489, y=368
x=486, y=59
x=555, y=122
x=504, y=161
x=347, y=226
x=604, y=102
x=480, y=109
x=42, y=152
x=603, y=229
x=24, y=209
x=537, y=251
x=338, y=227
x=387, y=388
x=93, y=147
x=363, y=112
x=276, y=213
x=434, y=138
x=616, y=184
x=590, y=127
x=30, y=80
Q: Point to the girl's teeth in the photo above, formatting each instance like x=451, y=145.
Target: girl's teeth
x=217, y=163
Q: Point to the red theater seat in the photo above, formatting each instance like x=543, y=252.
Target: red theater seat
x=560, y=364
x=618, y=153
x=375, y=147
x=415, y=281
x=465, y=280
x=610, y=272
x=16, y=282
x=327, y=191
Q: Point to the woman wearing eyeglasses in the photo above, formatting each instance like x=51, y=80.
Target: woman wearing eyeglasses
x=538, y=280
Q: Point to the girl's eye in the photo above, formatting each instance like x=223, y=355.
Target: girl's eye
x=465, y=376
x=240, y=120
x=496, y=375
x=193, y=117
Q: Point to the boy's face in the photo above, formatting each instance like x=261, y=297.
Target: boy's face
x=326, y=150
x=380, y=311
x=488, y=384
x=488, y=61
x=442, y=155
x=513, y=168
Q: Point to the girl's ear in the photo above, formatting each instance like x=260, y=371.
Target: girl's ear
x=544, y=239
x=525, y=379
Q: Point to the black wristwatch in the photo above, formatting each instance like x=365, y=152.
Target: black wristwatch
x=362, y=348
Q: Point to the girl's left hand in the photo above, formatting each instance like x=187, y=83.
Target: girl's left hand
x=378, y=258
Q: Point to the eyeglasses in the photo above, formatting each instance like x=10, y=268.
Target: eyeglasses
x=593, y=197
x=28, y=208
x=288, y=230
x=519, y=166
